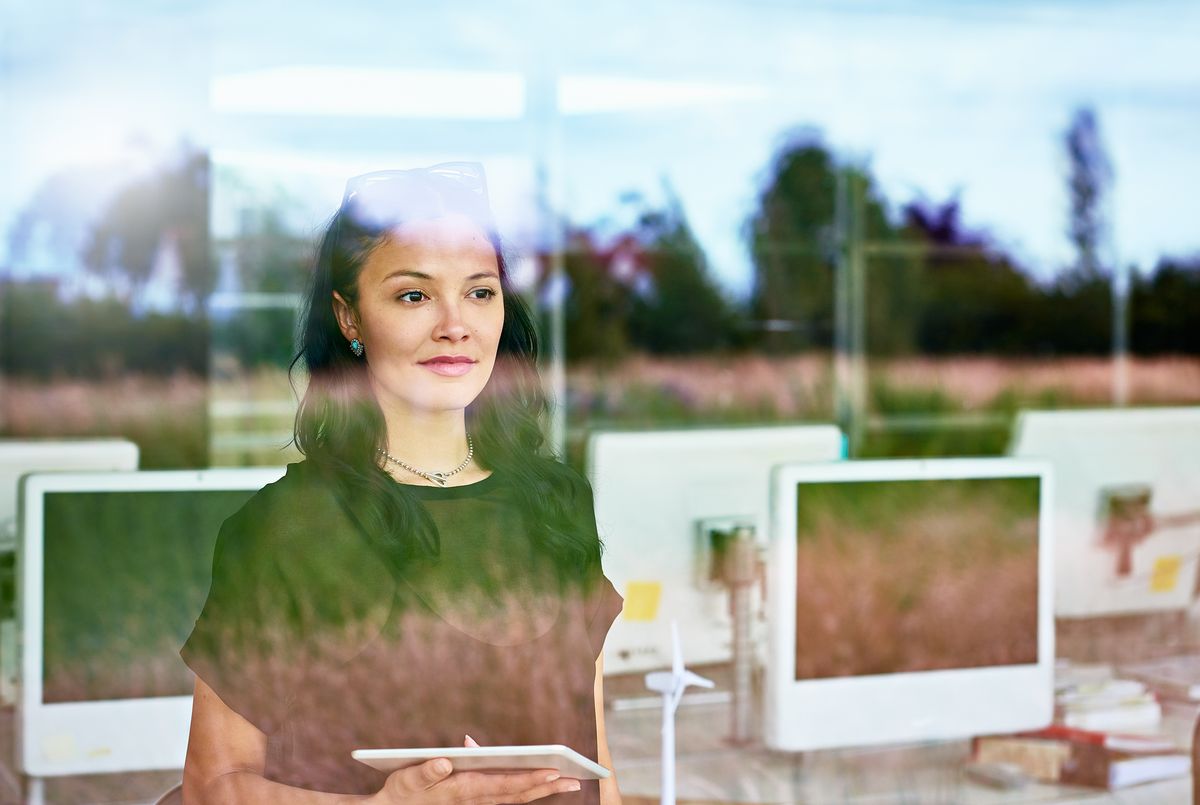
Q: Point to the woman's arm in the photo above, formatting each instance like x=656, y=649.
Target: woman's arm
x=609, y=793
x=226, y=758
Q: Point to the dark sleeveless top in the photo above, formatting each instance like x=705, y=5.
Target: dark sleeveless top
x=310, y=637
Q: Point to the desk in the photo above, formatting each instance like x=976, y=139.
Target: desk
x=708, y=770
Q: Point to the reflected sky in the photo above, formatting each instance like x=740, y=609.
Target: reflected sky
x=936, y=99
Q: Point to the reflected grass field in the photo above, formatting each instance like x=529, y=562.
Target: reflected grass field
x=165, y=416
x=802, y=386
x=903, y=576
x=646, y=392
x=169, y=418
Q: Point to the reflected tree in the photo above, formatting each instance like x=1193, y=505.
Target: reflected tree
x=680, y=309
x=1089, y=179
x=647, y=287
x=167, y=210
x=791, y=237
x=794, y=244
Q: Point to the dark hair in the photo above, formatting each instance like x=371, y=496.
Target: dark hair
x=340, y=427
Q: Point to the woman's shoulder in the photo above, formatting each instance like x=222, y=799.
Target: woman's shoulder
x=292, y=509
x=557, y=479
x=297, y=527
x=560, y=472
x=299, y=477
x=571, y=490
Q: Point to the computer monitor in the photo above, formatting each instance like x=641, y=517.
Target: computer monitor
x=18, y=457
x=113, y=571
x=657, y=493
x=908, y=600
x=1127, y=505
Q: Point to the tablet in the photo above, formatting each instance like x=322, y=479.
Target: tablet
x=563, y=759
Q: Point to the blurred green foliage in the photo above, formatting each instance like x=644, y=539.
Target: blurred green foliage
x=1165, y=309
x=168, y=206
x=934, y=287
x=648, y=290
x=45, y=337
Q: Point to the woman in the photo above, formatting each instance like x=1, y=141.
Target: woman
x=426, y=574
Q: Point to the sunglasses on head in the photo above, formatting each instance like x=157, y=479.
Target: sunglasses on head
x=466, y=176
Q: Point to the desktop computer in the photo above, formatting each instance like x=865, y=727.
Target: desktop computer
x=663, y=499
x=1126, y=509
x=113, y=571
x=908, y=601
x=18, y=457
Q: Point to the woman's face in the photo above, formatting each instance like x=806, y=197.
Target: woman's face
x=429, y=314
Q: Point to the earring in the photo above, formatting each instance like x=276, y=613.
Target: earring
x=356, y=347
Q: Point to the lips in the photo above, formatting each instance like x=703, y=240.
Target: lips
x=449, y=365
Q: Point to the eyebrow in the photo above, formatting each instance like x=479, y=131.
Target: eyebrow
x=423, y=276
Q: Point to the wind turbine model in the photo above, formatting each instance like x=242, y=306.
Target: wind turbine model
x=671, y=685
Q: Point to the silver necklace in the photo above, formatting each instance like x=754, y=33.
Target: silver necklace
x=437, y=477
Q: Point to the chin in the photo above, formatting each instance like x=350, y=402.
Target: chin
x=418, y=394
x=447, y=402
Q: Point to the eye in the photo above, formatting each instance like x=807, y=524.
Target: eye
x=482, y=293
x=412, y=297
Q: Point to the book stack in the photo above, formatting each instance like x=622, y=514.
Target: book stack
x=1175, y=678
x=1068, y=756
x=1105, y=704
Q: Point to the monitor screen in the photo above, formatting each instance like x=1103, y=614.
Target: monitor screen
x=125, y=575
x=896, y=576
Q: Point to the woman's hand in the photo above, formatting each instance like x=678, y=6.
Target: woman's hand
x=433, y=782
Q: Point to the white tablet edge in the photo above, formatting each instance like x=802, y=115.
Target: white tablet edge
x=422, y=754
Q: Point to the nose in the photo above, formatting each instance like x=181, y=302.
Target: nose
x=450, y=324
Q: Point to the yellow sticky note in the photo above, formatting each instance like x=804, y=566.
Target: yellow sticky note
x=59, y=747
x=641, y=600
x=1165, y=575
